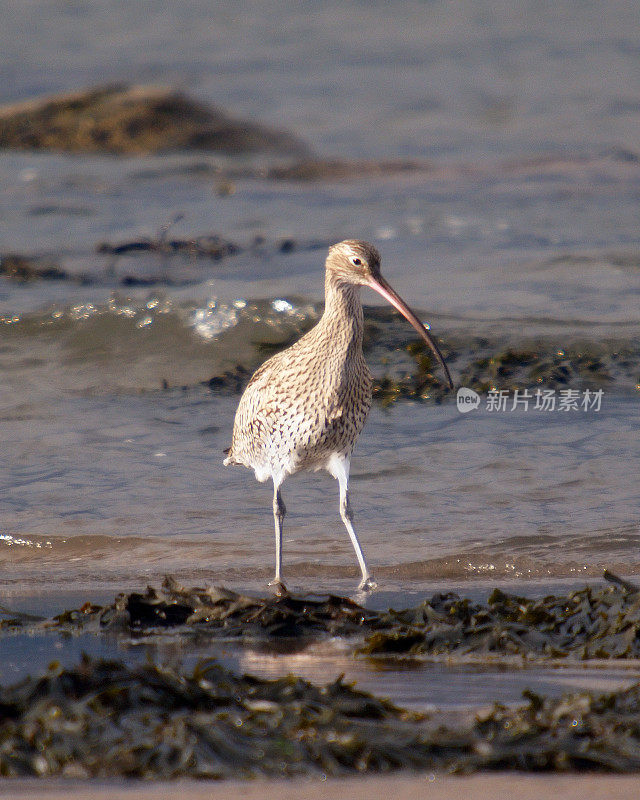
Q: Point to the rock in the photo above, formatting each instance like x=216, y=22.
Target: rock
x=134, y=120
x=336, y=169
x=23, y=268
x=211, y=246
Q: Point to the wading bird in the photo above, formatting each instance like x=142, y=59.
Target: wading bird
x=305, y=407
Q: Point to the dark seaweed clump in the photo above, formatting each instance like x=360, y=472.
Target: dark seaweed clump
x=220, y=612
x=594, y=622
x=106, y=719
x=588, y=623
x=580, y=731
x=592, y=366
x=22, y=268
x=412, y=373
x=213, y=246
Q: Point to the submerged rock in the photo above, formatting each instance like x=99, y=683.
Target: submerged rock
x=134, y=120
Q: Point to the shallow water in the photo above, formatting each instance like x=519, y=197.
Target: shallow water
x=523, y=231
x=137, y=488
x=414, y=684
x=382, y=79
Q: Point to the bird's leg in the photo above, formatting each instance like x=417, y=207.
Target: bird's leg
x=342, y=474
x=367, y=582
x=279, y=510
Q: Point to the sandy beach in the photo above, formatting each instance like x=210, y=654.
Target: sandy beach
x=431, y=787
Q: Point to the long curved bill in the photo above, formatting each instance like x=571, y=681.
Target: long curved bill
x=382, y=287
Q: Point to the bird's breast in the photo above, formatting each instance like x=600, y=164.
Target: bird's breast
x=304, y=404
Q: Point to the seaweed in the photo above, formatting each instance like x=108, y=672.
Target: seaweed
x=484, y=364
x=581, y=731
x=212, y=246
x=590, y=623
x=104, y=718
x=107, y=719
x=219, y=612
x=318, y=169
x=553, y=366
x=22, y=268
x=404, y=369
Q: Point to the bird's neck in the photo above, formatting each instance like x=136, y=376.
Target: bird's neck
x=343, y=319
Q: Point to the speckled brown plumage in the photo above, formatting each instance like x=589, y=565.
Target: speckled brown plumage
x=310, y=401
x=305, y=407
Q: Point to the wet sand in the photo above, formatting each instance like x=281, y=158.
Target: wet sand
x=434, y=787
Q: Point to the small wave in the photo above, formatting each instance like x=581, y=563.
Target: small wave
x=98, y=560
x=208, y=318
x=133, y=343
x=495, y=566
x=159, y=340
x=34, y=542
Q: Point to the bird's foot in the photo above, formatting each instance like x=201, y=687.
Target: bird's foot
x=279, y=589
x=367, y=584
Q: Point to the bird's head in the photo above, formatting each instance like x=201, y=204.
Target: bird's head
x=354, y=261
x=358, y=263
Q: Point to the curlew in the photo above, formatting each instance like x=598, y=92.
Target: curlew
x=304, y=408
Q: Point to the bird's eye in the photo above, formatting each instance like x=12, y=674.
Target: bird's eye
x=355, y=261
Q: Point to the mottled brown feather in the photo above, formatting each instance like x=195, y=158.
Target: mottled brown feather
x=310, y=401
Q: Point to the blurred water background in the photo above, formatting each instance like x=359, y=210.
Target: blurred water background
x=518, y=234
